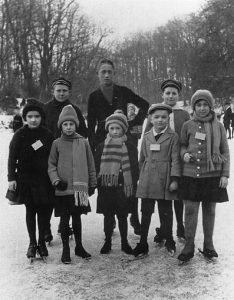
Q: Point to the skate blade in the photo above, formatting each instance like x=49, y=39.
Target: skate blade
x=171, y=253
x=135, y=258
x=182, y=263
x=31, y=259
x=208, y=258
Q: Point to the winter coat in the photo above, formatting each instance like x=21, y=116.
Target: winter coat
x=158, y=167
x=105, y=193
x=53, y=109
x=180, y=117
x=99, y=109
x=60, y=164
x=28, y=165
x=227, y=117
x=197, y=168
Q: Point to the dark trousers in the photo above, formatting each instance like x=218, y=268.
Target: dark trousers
x=165, y=216
x=42, y=216
x=76, y=225
x=123, y=226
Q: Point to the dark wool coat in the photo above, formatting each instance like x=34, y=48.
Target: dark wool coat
x=107, y=197
x=29, y=166
x=53, y=109
x=99, y=109
x=158, y=167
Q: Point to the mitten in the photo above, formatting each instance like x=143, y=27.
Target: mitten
x=61, y=186
x=91, y=191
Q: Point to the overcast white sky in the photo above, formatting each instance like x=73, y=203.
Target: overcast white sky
x=129, y=16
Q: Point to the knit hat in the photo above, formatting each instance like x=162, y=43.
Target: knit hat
x=202, y=95
x=171, y=83
x=118, y=118
x=62, y=81
x=159, y=106
x=68, y=113
x=33, y=105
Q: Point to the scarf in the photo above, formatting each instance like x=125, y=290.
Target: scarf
x=213, y=139
x=115, y=158
x=80, y=176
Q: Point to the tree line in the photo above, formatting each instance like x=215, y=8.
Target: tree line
x=43, y=39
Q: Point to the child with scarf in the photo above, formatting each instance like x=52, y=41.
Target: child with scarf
x=72, y=173
x=117, y=168
x=205, y=155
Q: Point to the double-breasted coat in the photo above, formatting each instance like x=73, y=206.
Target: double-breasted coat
x=158, y=167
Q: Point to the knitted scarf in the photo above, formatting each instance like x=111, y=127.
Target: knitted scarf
x=114, y=158
x=79, y=169
x=213, y=139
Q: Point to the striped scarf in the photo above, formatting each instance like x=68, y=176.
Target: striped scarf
x=115, y=158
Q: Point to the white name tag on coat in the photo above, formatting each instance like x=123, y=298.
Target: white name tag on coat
x=200, y=136
x=155, y=147
x=38, y=144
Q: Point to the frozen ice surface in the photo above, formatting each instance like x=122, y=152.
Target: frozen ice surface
x=112, y=276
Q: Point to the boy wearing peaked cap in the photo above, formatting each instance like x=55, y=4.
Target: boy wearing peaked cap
x=116, y=163
x=159, y=172
x=72, y=173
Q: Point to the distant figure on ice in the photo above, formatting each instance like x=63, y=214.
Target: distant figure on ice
x=205, y=154
x=227, y=119
x=17, y=119
x=103, y=102
x=117, y=170
x=27, y=171
x=72, y=173
x=159, y=174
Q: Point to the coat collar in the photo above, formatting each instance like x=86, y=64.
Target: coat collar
x=166, y=135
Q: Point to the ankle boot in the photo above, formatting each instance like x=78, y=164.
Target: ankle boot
x=106, y=248
x=41, y=248
x=65, y=258
x=80, y=251
x=32, y=250
x=125, y=247
x=141, y=248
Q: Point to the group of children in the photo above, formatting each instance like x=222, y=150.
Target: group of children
x=64, y=173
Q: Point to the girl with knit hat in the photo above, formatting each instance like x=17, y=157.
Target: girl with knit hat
x=205, y=155
x=117, y=170
x=72, y=173
x=27, y=172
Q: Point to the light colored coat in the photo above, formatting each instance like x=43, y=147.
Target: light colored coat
x=157, y=167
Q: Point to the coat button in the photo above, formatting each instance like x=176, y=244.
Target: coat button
x=198, y=167
x=199, y=152
x=198, y=175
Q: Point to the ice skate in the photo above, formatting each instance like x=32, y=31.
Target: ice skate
x=31, y=252
x=141, y=250
x=66, y=259
x=185, y=257
x=42, y=251
x=80, y=251
x=158, y=239
x=48, y=238
x=207, y=253
x=170, y=246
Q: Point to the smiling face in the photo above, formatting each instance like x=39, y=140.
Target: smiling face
x=115, y=130
x=61, y=92
x=68, y=127
x=160, y=119
x=33, y=119
x=170, y=96
x=106, y=75
x=202, y=108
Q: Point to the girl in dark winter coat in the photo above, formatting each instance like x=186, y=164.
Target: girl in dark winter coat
x=72, y=173
x=117, y=169
x=205, y=154
x=27, y=171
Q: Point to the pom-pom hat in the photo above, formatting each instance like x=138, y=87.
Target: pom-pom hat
x=118, y=118
x=202, y=95
x=171, y=83
x=33, y=105
x=159, y=106
x=68, y=113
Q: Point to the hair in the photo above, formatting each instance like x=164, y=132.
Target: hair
x=106, y=61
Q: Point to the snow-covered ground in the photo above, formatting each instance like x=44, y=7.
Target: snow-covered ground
x=112, y=276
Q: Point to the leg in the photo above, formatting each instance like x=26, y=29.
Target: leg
x=179, y=210
x=123, y=228
x=134, y=219
x=42, y=217
x=208, y=220
x=77, y=229
x=108, y=229
x=31, y=227
x=48, y=234
x=64, y=226
x=191, y=218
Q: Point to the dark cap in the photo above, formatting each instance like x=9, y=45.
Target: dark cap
x=33, y=105
x=159, y=106
x=62, y=81
x=171, y=83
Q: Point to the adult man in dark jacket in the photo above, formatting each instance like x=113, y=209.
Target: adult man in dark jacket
x=103, y=102
x=61, y=92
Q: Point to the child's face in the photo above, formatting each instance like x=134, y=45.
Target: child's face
x=115, y=130
x=170, y=96
x=61, y=92
x=33, y=119
x=202, y=108
x=160, y=119
x=68, y=127
x=106, y=75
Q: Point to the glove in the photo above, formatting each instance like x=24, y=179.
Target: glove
x=91, y=191
x=61, y=186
